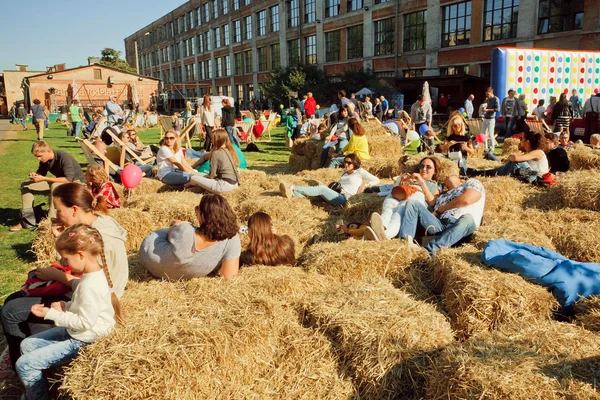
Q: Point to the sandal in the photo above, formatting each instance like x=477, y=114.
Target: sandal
x=15, y=228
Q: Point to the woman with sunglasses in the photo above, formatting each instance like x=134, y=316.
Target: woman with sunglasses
x=387, y=224
x=173, y=169
x=351, y=182
x=458, y=142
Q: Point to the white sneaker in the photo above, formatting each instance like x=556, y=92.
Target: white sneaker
x=286, y=190
x=377, y=226
x=412, y=244
x=370, y=234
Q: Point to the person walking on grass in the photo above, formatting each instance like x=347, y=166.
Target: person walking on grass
x=22, y=114
x=39, y=117
x=76, y=115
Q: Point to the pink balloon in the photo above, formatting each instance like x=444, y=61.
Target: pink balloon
x=131, y=176
x=480, y=138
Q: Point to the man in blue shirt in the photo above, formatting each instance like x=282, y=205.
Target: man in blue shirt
x=114, y=111
x=384, y=105
x=469, y=106
x=576, y=102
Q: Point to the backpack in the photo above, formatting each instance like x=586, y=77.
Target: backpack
x=35, y=287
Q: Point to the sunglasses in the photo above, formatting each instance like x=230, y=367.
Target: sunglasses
x=348, y=162
x=427, y=167
x=170, y=138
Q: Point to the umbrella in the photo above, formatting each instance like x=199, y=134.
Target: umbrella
x=75, y=90
x=134, y=94
x=364, y=92
x=426, y=92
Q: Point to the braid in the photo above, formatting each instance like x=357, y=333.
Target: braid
x=113, y=296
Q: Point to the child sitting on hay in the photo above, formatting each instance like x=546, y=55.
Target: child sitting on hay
x=98, y=181
x=266, y=247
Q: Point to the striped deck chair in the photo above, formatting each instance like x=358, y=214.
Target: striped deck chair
x=538, y=126
x=474, y=125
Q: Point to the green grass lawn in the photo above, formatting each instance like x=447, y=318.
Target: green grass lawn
x=17, y=161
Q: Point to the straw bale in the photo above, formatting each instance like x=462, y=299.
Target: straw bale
x=148, y=185
x=480, y=163
x=43, y=244
x=321, y=176
x=355, y=260
x=548, y=360
x=299, y=163
x=447, y=166
x=360, y=207
x=504, y=193
x=580, y=189
x=385, y=146
x=309, y=148
x=479, y=299
x=206, y=338
x=587, y=312
x=511, y=146
x=382, y=167
x=138, y=225
x=375, y=130
x=382, y=334
x=583, y=157
x=166, y=207
x=574, y=232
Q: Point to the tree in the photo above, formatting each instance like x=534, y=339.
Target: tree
x=112, y=58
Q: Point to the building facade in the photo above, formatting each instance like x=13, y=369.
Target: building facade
x=229, y=46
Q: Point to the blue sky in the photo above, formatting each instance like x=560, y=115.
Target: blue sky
x=41, y=33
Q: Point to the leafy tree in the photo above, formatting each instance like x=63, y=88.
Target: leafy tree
x=112, y=58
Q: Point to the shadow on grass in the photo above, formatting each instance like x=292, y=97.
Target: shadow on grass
x=24, y=252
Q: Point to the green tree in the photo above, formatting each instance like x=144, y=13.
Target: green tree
x=112, y=58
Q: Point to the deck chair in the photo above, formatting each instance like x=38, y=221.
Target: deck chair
x=373, y=119
x=474, y=125
x=165, y=123
x=89, y=151
x=100, y=126
x=246, y=128
x=266, y=132
x=246, y=114
x=128, y=150
x=538, y=126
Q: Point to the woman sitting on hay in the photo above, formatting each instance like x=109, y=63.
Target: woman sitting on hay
x=358, y=145
x=337, y=193
x=184, y=251
x=266, y=247
x=173, y=169
x=458, y=143
x=421, y=186
x=534, y=159
x=337, y=136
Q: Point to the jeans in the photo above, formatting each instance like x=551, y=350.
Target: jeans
x=208, y=141
x=330, y=196
x=42, y=351
x=146, y=168
x=191, y=153
x=233, y=137
x=504, y=170
x=24, y=123
x=213, y=185
x=336, y=161
x=487, y=128
x=510, y=124
x=449, y=231
x=176, y=178
x=340, y=144
x=16, y=316
x=490, y=156
x=76, y=129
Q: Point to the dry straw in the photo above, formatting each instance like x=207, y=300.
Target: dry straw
x=511, y=146
x=575, y=233
x=360, y=207
x=580, y=189
x=479, y=299
x=382, y=335
x=583, y=157
x=547, y=360
x=299, y=163
x=166, y=207
x=138, y=225
x=480, y=163
x=375, y=130
x=385, y=146
x=206, y=338
x=43, y=244
x=382, y=167
x=588, y=313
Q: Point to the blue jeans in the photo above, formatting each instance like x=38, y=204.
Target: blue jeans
x=146, y=168
x=450, y=231
x=336, y=162
x=509, y=124
x=233, y=137
x=330, y=196
x=24, y=123
x=341, y=143
x=42, y=351
x=76, y=128
x=176, y=178
x=191, y=153
x=505, y=170
x=490, y=156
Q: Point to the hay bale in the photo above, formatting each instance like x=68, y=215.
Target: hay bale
x=580, y=189
x=548, y=360
x=356, y=260
x=511, y=146
x=385, y=146
x=360, y=207
x=480, y=163
x=374, y=129
x=43, y=244
x=587, y=312
x=138, y=225
x=309, y=148
x=299, y=163
x=504, y=194
x=148, y=185
x=166, y=207
x=479, y=299
x=574, y=232
x=583, y=157
x=206, y=338
x=321, y=176
x=382, y=167
x=448, y=168
x=382, y=334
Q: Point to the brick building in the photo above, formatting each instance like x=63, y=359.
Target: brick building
x=231, y=45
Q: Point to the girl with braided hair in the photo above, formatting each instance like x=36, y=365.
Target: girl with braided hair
x=90, y=315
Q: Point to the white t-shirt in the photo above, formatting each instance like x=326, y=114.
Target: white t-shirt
x=351, y=182
x=162, y=161
x=475, y=209
x=539, y=111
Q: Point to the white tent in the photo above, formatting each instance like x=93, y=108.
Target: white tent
x=364, y=92
x=75, y=90
x=425, y=92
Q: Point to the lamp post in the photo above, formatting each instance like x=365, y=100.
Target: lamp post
x=137, y=58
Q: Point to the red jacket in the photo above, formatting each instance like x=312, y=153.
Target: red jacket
x=310, y=106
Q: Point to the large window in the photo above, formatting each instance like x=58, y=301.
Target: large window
x=235, y=5
x=355, y=42
x=384, y=37
x=190, y=72
x=248, y=61
x=455, y=70
x=560, y=15
x=227, y=60
x=225, y=7
x=206, y=13
x=240, y=92
x=219, y=67
x=238, y=63
x=200, y=43
x=415, y=31
x=275, y=56
x=246, y=2
x=215, y=6
x=202, y=70
x=332, y=8
x=262, y=59
x=294, y=13
x=217, y=37
x=310, y=11
x=248, y=27
x=237, y=31
x=226, y=34
x=456, y=24
x=310, y=47
x=191, y=19
x=354, y=5
x=294, y=52
x=413, y=73
x=208, y=40
x=199, y=16
x=500, y=19
x=262, y=22
x=381, y=1
x=332, y=46
x=274, y=14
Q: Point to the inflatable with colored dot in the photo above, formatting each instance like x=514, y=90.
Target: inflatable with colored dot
x=540, y=74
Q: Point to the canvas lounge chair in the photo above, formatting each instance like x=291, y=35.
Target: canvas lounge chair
x=92, y=155
x=128, y=150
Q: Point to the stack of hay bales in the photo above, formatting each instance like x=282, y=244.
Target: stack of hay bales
x=583, y=157
x=383, y=336
x=306, y=154
x=588, y=313
x=165, y=208
x=511, y=146
x=580, y=189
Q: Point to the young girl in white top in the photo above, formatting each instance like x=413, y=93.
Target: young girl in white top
x=173, y=169
x=351, y=182
x=90, y=315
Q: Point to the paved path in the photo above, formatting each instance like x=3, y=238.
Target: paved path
x=4, y=127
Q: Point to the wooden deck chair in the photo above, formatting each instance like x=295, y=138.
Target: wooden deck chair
x=89, y=151
x=100, y=126
x=165, y=123
x=246, y=128
x=266, y=134
x=128, y=150
x=538, y=126
x=185, y=133
x=474, y=126
x=246, y=114
x=373, y=119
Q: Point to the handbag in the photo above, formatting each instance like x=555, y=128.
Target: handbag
x=36, y=287
x=455, y=155
x=335, y=186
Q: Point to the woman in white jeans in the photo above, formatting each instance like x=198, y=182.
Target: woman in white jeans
x=387, y=224
x=351, y=182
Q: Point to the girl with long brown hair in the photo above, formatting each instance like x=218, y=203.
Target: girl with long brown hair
x=98, y=181
x=90, y=315
x=266, y=247
x=223, y=176
x=207, y=116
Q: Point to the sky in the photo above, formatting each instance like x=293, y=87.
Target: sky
x=41, y=33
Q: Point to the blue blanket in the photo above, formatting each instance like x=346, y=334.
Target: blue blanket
x=569, y=280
